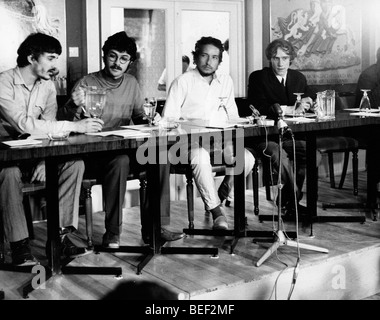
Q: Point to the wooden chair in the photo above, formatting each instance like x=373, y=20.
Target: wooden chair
x=335, y=144
x=219, y=170
x=342, y=144
x=88, y=183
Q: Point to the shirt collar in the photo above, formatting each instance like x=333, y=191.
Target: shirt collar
x=214, y=76
x=19, y=80
x=280, y=78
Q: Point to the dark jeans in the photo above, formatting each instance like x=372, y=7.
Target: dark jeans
x=112, y=172
x=287, y=161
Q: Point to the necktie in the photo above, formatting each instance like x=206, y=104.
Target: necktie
x=283, y=82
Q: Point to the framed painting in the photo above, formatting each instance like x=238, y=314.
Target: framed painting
x=326, y=35
x=19, y=18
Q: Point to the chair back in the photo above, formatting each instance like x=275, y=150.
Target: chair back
x=345, y=100
x=243, y=107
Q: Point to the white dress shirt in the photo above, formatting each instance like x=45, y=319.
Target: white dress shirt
x=192, y=97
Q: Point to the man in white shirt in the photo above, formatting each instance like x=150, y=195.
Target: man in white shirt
x=197, y=94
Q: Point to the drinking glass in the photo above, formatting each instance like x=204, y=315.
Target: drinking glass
x=222, y=105
x=365, y=105
x=150, y=109
x=95, y=101
x=297, y=105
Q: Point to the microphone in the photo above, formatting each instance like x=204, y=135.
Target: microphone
x=281, y=124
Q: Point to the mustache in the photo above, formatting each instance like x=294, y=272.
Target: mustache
x=116, y=67
x=53, y=72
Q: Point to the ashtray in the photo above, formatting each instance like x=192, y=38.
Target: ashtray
x=59, y=136
x=168, y=125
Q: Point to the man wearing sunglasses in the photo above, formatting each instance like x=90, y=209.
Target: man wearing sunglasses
x=124, y=103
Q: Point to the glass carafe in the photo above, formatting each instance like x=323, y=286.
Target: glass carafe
x=95, y=101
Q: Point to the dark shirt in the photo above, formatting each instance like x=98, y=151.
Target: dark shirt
x=369, y=79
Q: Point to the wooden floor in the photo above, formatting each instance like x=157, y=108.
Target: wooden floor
x=349, y=271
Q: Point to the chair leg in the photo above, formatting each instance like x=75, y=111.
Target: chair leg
x=267, y=179
x=344, y=170
x=87, y=185
x=331, y=169
x=355, y=168
x=144, y=213
x=190, y=198
x=255, y=187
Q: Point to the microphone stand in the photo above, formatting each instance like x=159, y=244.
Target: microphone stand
x=279, y=235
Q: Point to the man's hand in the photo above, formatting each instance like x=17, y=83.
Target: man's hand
x=39, y=173
x=306, y=104
x=89, y=125
x=79, y=97
x=157, y=118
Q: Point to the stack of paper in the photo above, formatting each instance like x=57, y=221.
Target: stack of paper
x=299, y=120
x=121, y=133
x=141, y=127
x=358, y=110
x=21, y=143
x=366, y=114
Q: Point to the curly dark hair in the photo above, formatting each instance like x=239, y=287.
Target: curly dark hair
x=271, y=50
x=121, y=42
x=37, y=44
x=208, y=40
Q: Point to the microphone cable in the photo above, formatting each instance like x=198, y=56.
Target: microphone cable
x=297, y=266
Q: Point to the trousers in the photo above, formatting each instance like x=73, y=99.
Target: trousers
x=201, y=165
x=112, y=172
x=290, y=155
x=11, y=198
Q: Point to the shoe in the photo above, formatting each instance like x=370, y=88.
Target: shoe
x=70, y=250
x=290, y=212
x=220, y=223
x=111, y=240
x=165, y=236
x=171, y=236
x=21, y=253
x=223, y=193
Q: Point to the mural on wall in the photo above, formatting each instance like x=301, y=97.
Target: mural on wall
x=326, y=35
x=19, y=18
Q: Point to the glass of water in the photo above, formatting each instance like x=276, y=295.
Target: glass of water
x=150, y=106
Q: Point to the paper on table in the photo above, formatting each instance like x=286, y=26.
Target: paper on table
x=299, y=119
x=218, y=124
x=365, y=114
x=121, y=133
x=358, y=110
x=21, y=143
x=141, y=127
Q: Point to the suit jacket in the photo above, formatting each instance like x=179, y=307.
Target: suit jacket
x=264, y=90
x=369, y=79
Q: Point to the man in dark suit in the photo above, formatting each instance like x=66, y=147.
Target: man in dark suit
x=370, y=79
x=268, y=89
